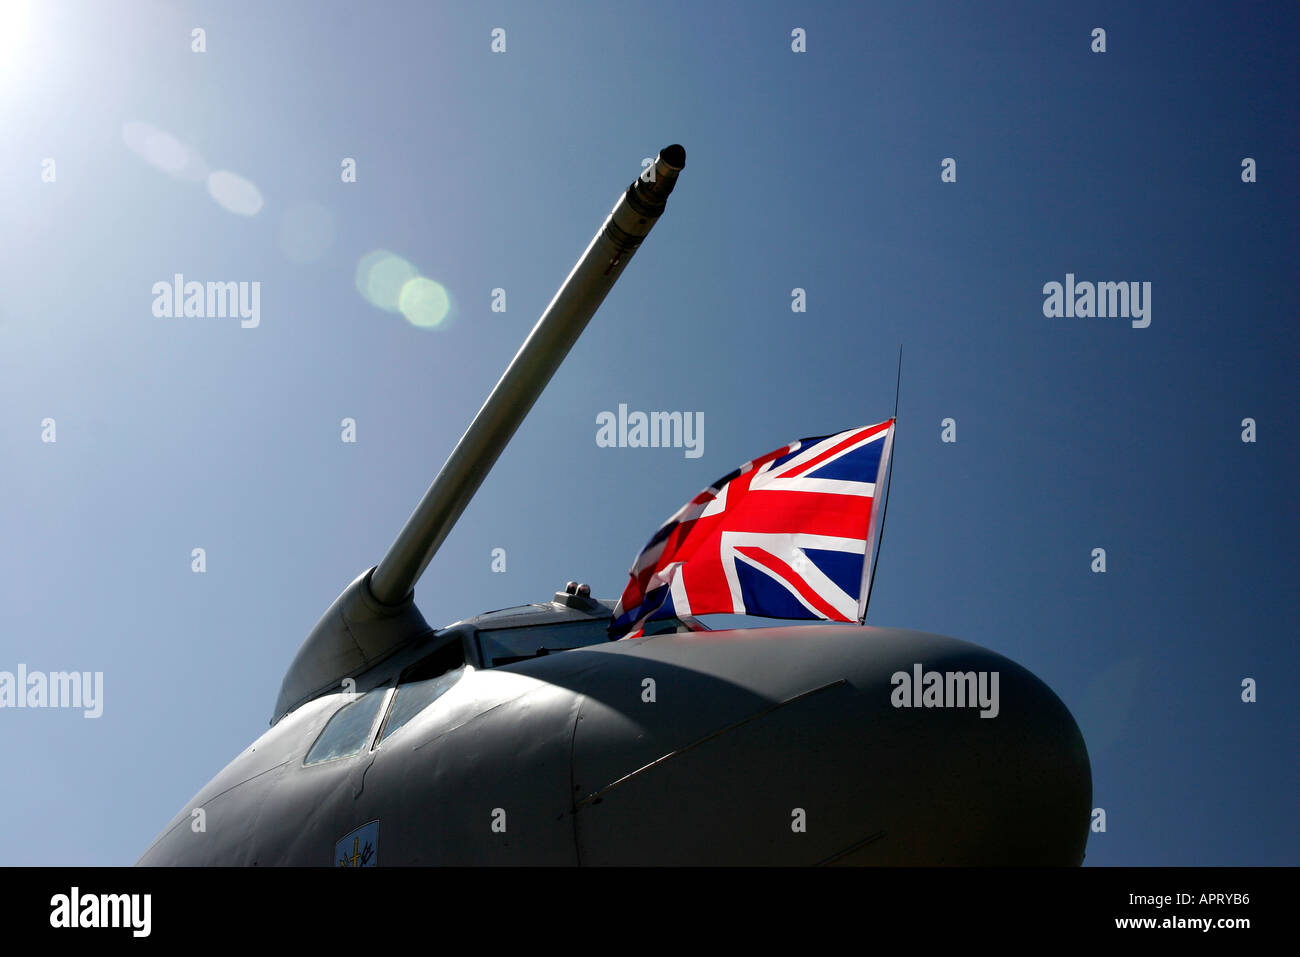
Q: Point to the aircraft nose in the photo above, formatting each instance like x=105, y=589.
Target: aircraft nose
x=825, y=745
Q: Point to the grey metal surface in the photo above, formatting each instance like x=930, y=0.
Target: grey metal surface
x=604, y=260
x=750, y=725
x=355, y=633
x=746, y=727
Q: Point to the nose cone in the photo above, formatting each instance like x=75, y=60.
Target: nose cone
x=823, y=745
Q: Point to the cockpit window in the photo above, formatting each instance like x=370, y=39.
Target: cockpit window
x=504, y=646
x=665, y=626
x=349, y=730
x=423, y=683
x=414, y=696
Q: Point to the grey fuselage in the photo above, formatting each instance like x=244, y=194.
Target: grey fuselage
x=527, y=737
x=788, y=745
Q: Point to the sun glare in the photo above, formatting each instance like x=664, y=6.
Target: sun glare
x=15, y=23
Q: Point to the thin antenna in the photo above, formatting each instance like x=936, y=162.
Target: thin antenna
x=897, y=385
x=889, y=474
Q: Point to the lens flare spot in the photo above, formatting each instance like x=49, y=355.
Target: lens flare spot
x=234, y=193
x=381, y=276
x=15, y=19
x=163, y=151
x=424, y=302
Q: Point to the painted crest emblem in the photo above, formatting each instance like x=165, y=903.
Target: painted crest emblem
x=359, y=848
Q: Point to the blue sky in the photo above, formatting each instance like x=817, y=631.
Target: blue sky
x=817, y=170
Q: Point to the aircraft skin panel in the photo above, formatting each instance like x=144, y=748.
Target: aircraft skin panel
x=181, y=843
x=494, y=790
x=915, y=786
x=226, y=833
x=771, y=746
x=498, y=741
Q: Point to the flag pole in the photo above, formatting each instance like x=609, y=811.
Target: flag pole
x=880, y=540
x=898, y=382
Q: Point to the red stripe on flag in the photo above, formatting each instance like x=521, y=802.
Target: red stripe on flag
x=768, y=560
x=857, y=436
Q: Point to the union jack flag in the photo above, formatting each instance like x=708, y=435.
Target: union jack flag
x=788, y=535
